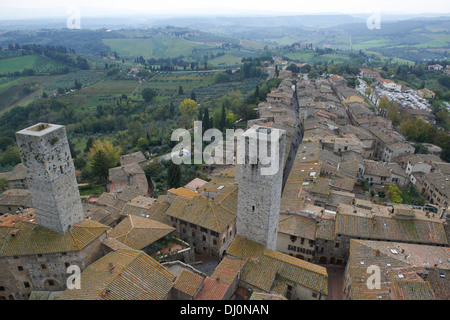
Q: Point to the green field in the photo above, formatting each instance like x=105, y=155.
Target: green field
x=38, y=63
x=312, y=57
x=225, y=60
x=12, y=92
x=371, y=44
x=154, y=47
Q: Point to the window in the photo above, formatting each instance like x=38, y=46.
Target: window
x=193, y=226
x=20, y=268
x=39, y=255
x=2, y=288
x=253, y=208
x=204, y=238
x=215, y=234
x=26, y=284
x=43, y=266
x=214, y=242
x=67, y=264
x=336, y=245
x=64, y=253
x=193, y=234
x=51, y=282
x=203, y=230
x=16, y=257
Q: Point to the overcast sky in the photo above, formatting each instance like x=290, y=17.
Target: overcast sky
x=226, y=6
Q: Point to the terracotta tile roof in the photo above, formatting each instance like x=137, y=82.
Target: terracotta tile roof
x=25, y=238
x=326, y=229
x=212, y=290
x=135, y=157
x=365, y=224
x=411, y=261
x=16, y=197
x=123, y=275
x=297, y=225
x=264, y=265
x=183, y=192
x=18, y=173
x=228, y=269
x=114, y=244
x=103, y=216
x=266, y=296
x=214, y=215
x=195, y=184
x=138, y=232
x=188, y=282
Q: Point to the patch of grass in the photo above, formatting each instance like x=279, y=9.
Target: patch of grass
x=91, y=190
x=38, y=63
x=225, y=60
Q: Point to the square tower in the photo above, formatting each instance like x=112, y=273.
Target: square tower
x=259, y=175
x=50, y=173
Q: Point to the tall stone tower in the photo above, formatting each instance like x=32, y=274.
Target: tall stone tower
x=260, y=183
x=50, y=176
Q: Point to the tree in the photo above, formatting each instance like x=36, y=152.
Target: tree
x=102, y=156
x=77, y=85
x=3, y=185
x=395, y=193
x=148, y=94
x=142, y=144
x=223, y=118
x=188, y=109
x=293, y=67
x=193, y=96
x=180, y=90
x=174, y=175
x=206, y=124
x=11, y=156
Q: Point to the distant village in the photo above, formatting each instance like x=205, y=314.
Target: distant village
x=309, y=232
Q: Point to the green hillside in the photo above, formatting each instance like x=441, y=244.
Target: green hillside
x=154, y=47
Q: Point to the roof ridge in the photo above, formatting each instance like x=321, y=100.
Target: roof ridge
x=107, y=284
x=214, y=214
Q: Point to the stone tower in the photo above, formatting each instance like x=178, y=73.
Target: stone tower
x=50, y=176
x=260, y=184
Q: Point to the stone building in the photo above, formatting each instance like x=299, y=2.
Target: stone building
x=124, y=274
x=407, y=271
x=209, y=225
x=259, y=186
x=33, y=257
x=51, y=176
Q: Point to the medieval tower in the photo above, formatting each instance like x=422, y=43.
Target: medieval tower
x=50, y=176
x=259, y=177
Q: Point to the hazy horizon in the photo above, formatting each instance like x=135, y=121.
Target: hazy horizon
x=25, y=9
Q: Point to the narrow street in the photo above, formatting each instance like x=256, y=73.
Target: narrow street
x=335, y=282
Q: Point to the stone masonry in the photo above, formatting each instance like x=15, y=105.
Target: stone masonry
x=260, y=193
x=51, y=176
